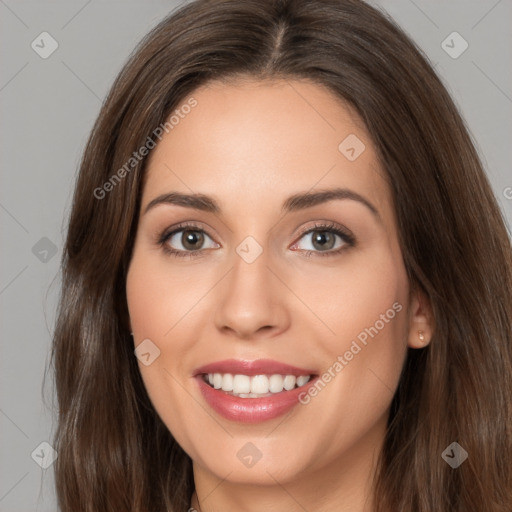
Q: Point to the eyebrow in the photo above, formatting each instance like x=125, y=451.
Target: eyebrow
x=296, y=202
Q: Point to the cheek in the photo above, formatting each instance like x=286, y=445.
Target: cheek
x=365, y=307
x=159, y=295
x=375, y=317
x=371, y=303
x=163, y=304
x=362, y=298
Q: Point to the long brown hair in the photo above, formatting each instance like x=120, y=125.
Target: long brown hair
x=114, y=452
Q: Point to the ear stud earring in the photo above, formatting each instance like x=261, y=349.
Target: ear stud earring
x=421, y=336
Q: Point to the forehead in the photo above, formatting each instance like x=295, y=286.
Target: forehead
x=253, y=143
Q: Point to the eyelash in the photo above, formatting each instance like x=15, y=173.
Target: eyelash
x=347, y=237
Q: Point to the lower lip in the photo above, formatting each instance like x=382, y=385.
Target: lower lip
x=251, y=410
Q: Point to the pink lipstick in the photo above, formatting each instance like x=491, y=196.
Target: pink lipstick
x=253, y=391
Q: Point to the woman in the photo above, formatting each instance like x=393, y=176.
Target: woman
x=286, y=281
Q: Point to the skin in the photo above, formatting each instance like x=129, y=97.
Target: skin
x=250, y=145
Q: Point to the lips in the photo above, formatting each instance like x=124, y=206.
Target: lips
x=257, y=367
x=251, y=408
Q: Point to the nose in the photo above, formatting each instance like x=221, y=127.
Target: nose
x=251, y=301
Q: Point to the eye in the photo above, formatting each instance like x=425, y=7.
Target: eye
x=186, y=240
x=326, y=240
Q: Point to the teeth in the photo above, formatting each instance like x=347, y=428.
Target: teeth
x=302, y=380
x=217, y=380
x=276, y=384
x=259, y=384
x=227, y=382
x=256, y=386
x=289, y=382
x=241, y=383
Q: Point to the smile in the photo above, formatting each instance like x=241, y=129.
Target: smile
x=245, y=386
x=252, y=391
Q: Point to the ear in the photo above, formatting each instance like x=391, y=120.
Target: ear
x=421, y=320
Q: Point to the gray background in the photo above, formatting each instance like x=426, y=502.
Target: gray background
x=47, y=110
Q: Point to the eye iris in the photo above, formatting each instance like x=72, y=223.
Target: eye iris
x=325, y=239
x=191, y=239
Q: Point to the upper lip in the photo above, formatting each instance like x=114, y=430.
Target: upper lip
x=250, y=368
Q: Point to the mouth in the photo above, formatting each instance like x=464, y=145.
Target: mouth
x=253, y=391
x=257, y=386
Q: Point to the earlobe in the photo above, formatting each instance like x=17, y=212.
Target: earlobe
x=421, y=322
x=419, y=341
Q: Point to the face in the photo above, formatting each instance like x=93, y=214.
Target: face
x=268, y=289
